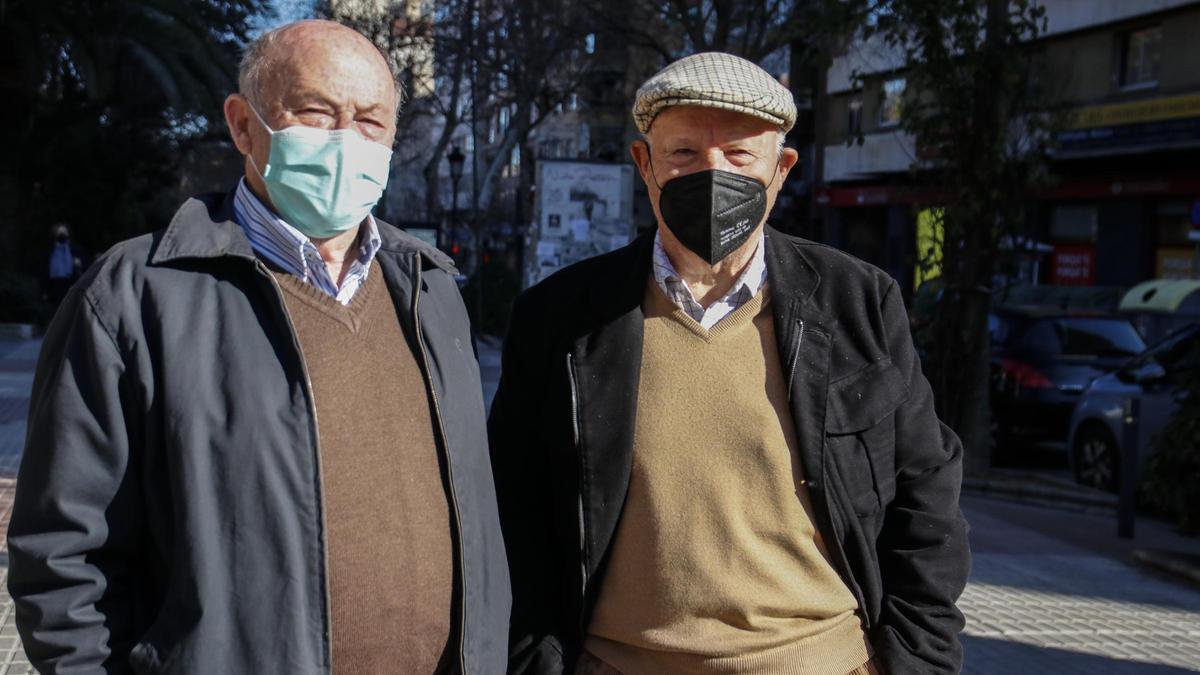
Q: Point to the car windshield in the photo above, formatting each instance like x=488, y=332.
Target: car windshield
x=1081, y=336
x=1098, y=337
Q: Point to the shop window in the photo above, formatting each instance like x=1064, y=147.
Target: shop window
x=1175, y=252
x=1075, y=224
x=891, y=104
x=1141, y=52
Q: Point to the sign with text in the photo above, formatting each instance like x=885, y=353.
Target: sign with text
x=1175, y=262
x=583, y=208
x=1073, y=265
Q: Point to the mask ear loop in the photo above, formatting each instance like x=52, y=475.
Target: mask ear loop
x=778, y=163
x=650, y=159
x=270, y=132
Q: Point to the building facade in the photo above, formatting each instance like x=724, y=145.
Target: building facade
x=1124, y=204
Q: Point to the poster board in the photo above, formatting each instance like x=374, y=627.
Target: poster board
x=582, y=209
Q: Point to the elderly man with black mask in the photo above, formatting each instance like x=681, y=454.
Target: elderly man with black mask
x=256, y=441
x=714, y=449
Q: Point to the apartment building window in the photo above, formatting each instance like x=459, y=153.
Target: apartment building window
x=891, y=104
x=854, y=126
x=1141, y=52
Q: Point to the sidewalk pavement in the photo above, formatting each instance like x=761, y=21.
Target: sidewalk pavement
x=1051, y=591
x=1055, y=591
x=17, y=360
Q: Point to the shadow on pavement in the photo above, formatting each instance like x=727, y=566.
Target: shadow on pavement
x=985, y=656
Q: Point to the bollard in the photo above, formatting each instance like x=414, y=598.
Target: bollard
x=1127, y=505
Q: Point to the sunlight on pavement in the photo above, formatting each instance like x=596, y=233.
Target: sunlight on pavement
x=1117, y=629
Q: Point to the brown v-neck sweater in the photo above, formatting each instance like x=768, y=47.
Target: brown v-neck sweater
x=717, y=566
x=387, y=517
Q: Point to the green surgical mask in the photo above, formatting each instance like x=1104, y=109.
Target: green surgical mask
x=323, y=182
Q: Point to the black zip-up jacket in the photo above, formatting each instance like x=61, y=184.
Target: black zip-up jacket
x=884, y=473
x=168, y=513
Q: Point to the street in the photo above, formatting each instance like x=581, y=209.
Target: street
x=1051, y=591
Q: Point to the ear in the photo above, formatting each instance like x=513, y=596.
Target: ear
x=237, y=118
x=640, y=151
x=787, y=160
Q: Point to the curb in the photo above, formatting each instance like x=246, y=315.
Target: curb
x=1042, y=493
x=1181, y=565
x=20, y=331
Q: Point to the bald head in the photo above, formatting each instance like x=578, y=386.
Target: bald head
x=316, y=74
x=295, y=45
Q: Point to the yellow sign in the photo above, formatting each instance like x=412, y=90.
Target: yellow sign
x=1133, y=112
x=930, y=234
x=1176, y=263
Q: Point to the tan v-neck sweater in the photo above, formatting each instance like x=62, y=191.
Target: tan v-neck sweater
x=716, y=566
x=388, y=537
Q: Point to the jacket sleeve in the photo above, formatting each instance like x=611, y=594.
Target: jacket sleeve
x=523, y=490
x=923, y=552
x=74, y=516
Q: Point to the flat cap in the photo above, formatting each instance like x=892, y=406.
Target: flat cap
x=715, y=80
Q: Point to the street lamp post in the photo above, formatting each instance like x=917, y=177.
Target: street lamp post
x=456, y=159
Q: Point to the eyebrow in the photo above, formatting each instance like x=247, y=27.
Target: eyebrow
x=309, y=95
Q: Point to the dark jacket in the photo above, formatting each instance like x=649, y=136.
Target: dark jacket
x=168, y=513
x=884, y=474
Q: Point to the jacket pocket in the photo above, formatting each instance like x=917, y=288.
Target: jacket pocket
x=861, y=434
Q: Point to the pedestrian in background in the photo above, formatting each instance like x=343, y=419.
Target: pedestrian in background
x=714, y=449
x=67, y=262
x=257, y=441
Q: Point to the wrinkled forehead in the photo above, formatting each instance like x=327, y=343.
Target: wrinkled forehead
x=334, y=60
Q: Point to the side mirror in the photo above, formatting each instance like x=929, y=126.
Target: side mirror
x=1146, y=373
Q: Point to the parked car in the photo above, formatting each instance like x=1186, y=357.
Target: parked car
x=1097, y=424
x=1042, y=361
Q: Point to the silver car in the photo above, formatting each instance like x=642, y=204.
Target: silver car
x=1097, y=427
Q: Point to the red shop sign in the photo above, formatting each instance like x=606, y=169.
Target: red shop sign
x=1074, y=265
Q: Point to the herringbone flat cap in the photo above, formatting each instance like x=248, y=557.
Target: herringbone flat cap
x=715, y=80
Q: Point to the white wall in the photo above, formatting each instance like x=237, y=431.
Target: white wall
x=891, y=152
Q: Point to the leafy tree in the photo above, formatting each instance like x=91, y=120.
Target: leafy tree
x=1173, y=472
x=102, y=99
x=753, y=30
x=980, y=131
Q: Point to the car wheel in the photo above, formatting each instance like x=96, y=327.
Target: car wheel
x=1097, y=458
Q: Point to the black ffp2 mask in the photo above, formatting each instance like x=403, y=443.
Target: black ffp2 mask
x=712, y=212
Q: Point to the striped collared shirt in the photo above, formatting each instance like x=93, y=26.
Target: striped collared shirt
x=748, y=284
x=285, y=246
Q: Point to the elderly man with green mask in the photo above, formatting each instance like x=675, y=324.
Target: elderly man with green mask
x=714, y=449
x=256, y=442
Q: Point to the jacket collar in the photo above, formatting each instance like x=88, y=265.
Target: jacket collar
x=205, y=228
x=793, y=279
x=791, y=276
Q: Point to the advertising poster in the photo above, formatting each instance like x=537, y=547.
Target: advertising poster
x=583, y=209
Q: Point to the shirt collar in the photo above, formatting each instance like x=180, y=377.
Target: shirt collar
x=259, y=222
x=752, y=277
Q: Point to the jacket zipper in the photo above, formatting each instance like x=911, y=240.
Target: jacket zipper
x=795, y=358
x=583, y=571
x=312, y=407
x=437, y=413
